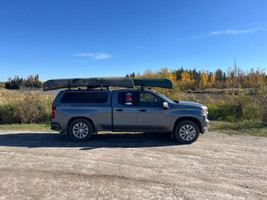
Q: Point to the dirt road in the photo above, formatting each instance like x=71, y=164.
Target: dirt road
x=132, y=166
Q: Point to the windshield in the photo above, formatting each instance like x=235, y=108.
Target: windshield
x=165, y=98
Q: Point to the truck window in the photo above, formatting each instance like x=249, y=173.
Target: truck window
x=147, y=99
x=84, y=97
x=128, y=98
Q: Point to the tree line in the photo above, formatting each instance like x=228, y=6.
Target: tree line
x=18, y=82
x=185, y=79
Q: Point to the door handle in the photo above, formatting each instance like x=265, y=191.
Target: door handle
x=142, y=110
x=119, y=109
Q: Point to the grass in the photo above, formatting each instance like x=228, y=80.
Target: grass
x=26, y=127
x=254, y=128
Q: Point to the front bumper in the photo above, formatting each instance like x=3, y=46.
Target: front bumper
x=205, y=128
x=55, y=126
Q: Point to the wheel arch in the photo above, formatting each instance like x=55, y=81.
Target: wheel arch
x=193, y=119
x=80, y=117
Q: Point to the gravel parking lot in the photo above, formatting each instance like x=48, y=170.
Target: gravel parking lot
x=131, y=166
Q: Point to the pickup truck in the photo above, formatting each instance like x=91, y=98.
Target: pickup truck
x=84, y=112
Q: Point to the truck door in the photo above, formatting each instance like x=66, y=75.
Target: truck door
x=151, y=114
x=125, y=110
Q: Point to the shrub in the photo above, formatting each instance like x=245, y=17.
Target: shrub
x=235, y=105
x=226, y=111
x=26, y=107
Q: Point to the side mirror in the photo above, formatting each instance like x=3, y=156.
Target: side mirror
x=175, y=101
x=165, y=105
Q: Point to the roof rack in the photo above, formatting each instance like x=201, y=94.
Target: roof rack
x=152, y=82
x=88, y=82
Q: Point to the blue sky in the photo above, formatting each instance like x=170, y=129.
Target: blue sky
x=86, y=38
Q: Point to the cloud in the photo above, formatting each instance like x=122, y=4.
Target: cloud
x=224, y=32
x=95, y=56
x=235, y=32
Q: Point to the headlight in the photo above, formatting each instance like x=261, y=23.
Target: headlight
x=204, y=111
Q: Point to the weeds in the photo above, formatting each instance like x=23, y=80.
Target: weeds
x=25, y=106
x=232, y=105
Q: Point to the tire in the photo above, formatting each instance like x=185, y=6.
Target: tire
x=186, y=132
x=81, y=130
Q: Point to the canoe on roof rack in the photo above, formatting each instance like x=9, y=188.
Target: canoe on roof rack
x=153, y=82
x=88, y=82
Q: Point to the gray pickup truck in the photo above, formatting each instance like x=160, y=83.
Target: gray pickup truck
x=84, y=112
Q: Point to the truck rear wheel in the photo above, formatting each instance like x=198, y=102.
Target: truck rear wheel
x=80, y=130
x=186, y=132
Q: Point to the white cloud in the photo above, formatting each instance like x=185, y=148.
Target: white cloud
x=235, y=32
x=96, y=56
x=225, y=32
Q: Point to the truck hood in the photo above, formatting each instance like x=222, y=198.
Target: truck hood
x=188, y=103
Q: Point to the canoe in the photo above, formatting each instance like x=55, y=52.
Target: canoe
x=88, y=82
x=153, y=82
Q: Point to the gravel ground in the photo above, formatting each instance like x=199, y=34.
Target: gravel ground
x=131, y=166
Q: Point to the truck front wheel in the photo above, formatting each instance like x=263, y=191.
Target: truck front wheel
x=186, y=132
x=80, y=130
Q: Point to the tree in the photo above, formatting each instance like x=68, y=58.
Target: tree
x=179, y=73
x=219, y=75
x=203, y=80
x=185, y=81
x=212, y=79
x=30, y=81
x=132, y=75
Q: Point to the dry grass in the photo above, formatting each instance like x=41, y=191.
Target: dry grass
x=25, y=106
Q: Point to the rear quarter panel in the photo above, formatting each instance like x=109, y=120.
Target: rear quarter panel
x=98, y=113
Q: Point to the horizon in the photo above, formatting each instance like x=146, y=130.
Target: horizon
x=103, y=39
